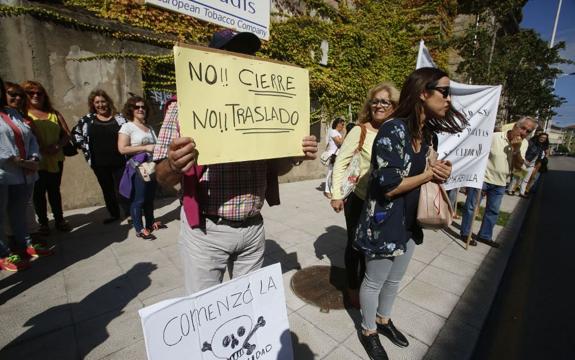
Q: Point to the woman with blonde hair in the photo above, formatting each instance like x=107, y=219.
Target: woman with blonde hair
x=380, y=102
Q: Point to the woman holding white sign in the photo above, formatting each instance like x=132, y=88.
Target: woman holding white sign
x=387, y=230
x=380, y=103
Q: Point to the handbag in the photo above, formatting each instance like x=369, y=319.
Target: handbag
x=69, y=149
x=147, y=170
x=434, y=210
x=353, y=170
x=325, y=157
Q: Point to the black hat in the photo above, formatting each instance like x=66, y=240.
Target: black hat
x=244, y=42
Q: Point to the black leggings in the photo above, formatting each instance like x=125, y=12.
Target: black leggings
x=354, y=260
x=109, y=180
x=48, y=183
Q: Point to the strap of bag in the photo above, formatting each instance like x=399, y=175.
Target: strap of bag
x=63, y=125
x=361, y=137
x=18, y=136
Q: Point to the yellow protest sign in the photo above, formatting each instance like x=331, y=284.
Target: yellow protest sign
x=240, y=108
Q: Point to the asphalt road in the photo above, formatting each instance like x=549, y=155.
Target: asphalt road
x=533, y=315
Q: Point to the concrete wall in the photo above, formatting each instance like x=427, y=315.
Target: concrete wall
x=43, y=51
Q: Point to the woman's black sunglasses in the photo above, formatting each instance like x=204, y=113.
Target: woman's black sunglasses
x=444, y=90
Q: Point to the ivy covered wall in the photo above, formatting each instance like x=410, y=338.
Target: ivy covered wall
x=369, y=40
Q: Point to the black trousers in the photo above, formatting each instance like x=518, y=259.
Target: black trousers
x=354, y=260
x=48, y=183
x=109, y=180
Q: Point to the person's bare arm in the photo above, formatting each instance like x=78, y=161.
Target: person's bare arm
x=517, y=159
x=182, y=155
x=125, y=148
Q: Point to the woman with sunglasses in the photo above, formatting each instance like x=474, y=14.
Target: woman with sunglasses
x=380, y=103
x=19, y=157
x=52, y=134
x=17, y=100
x=97, y=135
x=387, y=229
x=136, y=139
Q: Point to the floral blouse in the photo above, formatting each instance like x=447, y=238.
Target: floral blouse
x=381, y=231
x=81, y=133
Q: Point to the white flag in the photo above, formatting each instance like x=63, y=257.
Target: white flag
x=468, y=151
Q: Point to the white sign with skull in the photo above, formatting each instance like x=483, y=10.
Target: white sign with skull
x=242, y=319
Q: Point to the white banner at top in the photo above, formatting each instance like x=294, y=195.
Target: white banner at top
x=239, y=15
x=468, y=151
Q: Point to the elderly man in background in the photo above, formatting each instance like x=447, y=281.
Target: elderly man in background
x=221, y=223
x=507, y=153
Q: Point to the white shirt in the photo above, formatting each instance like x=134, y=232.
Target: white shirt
x=137, y=135
x=331, y=145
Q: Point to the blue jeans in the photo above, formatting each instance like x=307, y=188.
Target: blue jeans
x=494, y=195
x=142, y=199
x=13, y=203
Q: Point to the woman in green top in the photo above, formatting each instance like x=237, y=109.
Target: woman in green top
x=52, y=134
x=380, y=103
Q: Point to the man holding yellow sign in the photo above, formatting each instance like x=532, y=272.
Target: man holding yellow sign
x=249, y=117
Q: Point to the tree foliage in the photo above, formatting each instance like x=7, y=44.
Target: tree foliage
x=496, y=53
x=369, y=41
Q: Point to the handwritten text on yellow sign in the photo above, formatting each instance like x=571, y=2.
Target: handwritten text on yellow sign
x=240, y=108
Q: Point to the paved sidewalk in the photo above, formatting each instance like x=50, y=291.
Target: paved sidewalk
x=83, y=301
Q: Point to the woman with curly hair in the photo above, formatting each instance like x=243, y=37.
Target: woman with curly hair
x=136, y=140
x=97, y=135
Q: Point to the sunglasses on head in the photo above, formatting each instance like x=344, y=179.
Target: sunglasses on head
x=384, y=103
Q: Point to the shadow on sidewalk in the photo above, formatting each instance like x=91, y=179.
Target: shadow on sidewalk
x=88, y=237
x=84, y=241
x=275, y=253
x=89, y=328
x=300, y=351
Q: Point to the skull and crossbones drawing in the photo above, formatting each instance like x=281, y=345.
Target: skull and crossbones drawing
x=232, y=338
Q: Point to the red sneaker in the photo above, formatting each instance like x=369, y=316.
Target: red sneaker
x=37, y=250
x=13, y=263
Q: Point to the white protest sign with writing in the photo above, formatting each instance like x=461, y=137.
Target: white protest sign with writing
x=468, y=151
x=240, y=108
x=240, y=15
x=242, y=319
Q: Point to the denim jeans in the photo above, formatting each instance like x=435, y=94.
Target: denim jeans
x=494, y=195
x=13, y=203
x=142, y=199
